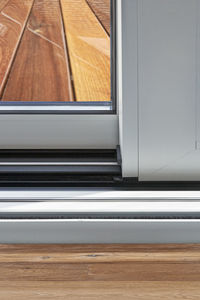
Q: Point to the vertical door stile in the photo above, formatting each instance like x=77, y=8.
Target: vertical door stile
x=197, y=104
x=168, y=90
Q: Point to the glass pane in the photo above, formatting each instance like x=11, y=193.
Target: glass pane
x=55, y=51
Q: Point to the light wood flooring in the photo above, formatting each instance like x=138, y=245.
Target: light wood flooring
x=100, y=272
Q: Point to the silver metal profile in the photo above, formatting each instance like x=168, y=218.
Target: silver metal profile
x=94, y=194
x=43, y=216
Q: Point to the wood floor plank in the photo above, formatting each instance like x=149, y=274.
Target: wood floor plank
x=131, y=271
x=179, y=254
x=102, y=10
x=167, y=272
x=104, y=290
x=193, y=249
x=13, y=17
x=89, y=51
x=40, y=71
x=100, y=262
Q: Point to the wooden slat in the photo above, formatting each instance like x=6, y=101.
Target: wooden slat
x=131, y=271
x=102, y=10
x=100, y=263
x=89, y=49
x=102, y=290
x=100, y=253
x=40, y=71
x=145, y=272
x=13, y=18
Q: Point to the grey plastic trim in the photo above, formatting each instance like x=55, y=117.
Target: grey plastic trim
x=95, y=231
x=59, y=132
x=127, y=84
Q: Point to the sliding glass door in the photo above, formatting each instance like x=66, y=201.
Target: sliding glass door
x=58, y=74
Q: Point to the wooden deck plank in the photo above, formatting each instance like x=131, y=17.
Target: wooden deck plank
x=3, y=3
x=100, y=263
x=89, y=51
x=102, y=290
x=130, y=271
x=103, y=272
x=40, y=71
x=102, y=10
x=100, y=253
x=13, y=18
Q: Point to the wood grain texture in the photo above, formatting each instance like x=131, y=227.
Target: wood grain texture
x=89, y=50
x=100, y=253
x=99, y=290
x=13, y=18
x=40, y=71
x=100, y=272
x=102, y=10
x=3, y=3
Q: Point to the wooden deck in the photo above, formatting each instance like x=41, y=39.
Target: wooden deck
x=100, y=272
x=54, y=50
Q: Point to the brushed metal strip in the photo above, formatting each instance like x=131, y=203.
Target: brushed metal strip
x=94, y=194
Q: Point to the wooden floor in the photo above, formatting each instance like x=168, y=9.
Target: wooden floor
x=54, y=50
x=117, y=272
